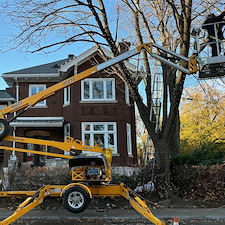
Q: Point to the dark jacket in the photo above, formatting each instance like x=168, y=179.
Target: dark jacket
x=210, y=28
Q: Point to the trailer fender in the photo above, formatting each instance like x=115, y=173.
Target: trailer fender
x=78, y=185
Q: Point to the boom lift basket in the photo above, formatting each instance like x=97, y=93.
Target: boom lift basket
x=210, y=66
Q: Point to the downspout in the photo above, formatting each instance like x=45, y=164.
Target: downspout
x=75, y=69
x=13, y=156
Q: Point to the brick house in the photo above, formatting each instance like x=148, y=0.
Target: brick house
x=95, y=110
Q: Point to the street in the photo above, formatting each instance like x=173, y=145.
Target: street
x=112, y=222
x=193, y=216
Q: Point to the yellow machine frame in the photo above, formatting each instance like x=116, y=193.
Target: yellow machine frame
x=36, y=198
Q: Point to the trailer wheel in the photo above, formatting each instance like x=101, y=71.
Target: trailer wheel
x=75, y=199
x=4, y=128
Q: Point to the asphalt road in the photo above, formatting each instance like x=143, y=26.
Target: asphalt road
x=197, y=216
x=111, y=222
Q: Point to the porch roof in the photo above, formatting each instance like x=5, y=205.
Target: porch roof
x=37, y=122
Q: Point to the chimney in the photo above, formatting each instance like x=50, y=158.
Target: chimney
x=123, y=46
x=70, y=56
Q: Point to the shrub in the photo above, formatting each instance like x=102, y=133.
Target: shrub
x=208, y=154
x=188, y=181
x=200, y=182
x=36, y=177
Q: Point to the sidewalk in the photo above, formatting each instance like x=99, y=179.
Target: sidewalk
x=117, y=214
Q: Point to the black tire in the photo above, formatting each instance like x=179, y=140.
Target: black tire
x=4, y=128
x=75, y=199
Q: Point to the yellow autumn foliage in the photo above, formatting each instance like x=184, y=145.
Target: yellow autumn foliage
x=202, y=117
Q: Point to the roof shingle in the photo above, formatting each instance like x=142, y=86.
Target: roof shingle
x=52, y=67
x=5, y=95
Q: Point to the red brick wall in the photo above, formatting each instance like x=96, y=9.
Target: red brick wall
x=54, y=103
x=119, y=112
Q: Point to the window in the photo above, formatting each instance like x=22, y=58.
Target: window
x=66, y=96
x=129, y=142
x=127, y=95
x=66, y=134
x=35, y=88
x=100, y=133
x=98, y=89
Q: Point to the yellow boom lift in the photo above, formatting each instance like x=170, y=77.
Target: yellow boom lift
x=91, y=172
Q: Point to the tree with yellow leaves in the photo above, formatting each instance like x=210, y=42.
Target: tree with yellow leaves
x=202, y=117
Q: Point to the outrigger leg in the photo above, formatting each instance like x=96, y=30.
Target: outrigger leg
x=28, y=204
x=98, y=191
x=139, y=205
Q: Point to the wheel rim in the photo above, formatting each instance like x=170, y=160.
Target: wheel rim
x=2, y=128
x=75, y=200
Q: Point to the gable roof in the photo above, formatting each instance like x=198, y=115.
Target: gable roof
x=52, y=67
x=59, y=68
x=87, y=55
x=6, y=96
x=48, y=72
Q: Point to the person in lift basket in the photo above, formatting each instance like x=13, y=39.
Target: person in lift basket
x=212, y=29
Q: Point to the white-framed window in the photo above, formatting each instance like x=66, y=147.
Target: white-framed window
x=35, y=88
x=104, y=134
x=66, y=98
x=66, y=134
x=127, y=95
x=129, y=140
x=98, y=89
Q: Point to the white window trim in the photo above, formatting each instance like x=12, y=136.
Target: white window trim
x=91, y=132
x=127, y=95
x=105, y=99
x=129, y=140
x=66, y=92
x=38, y=105
x=67, y=130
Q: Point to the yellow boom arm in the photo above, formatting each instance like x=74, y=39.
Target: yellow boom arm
x=40, y=96
x=68, y=145
x=30, y=101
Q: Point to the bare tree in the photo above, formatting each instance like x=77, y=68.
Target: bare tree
x=168, y=23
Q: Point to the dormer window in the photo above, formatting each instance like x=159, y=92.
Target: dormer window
x=98, y=89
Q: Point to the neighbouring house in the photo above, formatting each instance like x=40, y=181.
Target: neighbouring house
x=97, y=109
x=6, y=99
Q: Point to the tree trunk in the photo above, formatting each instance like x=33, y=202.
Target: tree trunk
x=163, y=154
x=174, y=138
x=163, y=179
